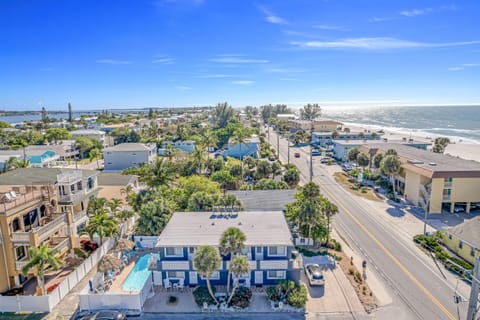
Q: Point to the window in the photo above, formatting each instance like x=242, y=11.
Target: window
x=450, y=237
x=79, y=185
x=259, y=249
x=214, y=276
x=472, y=252
x=277, y=251
x=175, y=274
x=191, y=250
x=90, y=183
x=81, y=204
x=20, y=252
x=173, y=252
x=276, y=274
x=15, y=225
x=460, y=244
x=246, y=250
x=72, y=187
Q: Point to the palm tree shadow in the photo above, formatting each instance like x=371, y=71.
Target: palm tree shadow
x=396, y=212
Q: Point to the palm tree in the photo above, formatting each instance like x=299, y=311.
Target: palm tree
x=232, y=242
x=40, y=259
x=390, y=165
x=96, y=206
x=329, y=210
x=240, y=137
x=10, y=164
x=276, y=169
x=207, y=260
x=95, y=154
x=238, y=266
x=209, y=138
x=310, y=112
x=113, y=205
x=198, y=158
x=158, y=173
x=102, y=225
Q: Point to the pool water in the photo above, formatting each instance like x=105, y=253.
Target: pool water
x=138, y=276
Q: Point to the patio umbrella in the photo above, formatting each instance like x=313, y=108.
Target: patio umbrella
x=109, y=262
x=124, y=245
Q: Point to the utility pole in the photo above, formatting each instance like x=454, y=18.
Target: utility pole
x=288, y=150
x=472, y=304
x=278, y=144
x=427, y=208
x=311, y=156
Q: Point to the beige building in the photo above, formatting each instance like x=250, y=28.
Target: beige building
x=464, y=239
x=318, y=125
x=40, y=206
x=434, y=181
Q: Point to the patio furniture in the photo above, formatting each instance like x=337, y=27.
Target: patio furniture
x=180, y=284
x=138, y=244
x=166, y=284
x=13, y=194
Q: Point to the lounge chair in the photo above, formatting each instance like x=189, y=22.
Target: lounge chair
x=166, y=284
x=13, y=194
x=138, y=244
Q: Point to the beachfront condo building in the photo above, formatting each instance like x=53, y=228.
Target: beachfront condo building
x=434, y=181
x=40, y=206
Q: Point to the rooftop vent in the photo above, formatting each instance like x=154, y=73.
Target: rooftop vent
x=432, y=164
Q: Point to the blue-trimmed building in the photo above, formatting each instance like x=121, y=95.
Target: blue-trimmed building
x=268, y=247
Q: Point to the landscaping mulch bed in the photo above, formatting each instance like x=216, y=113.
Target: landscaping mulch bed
x=366, y=296
x=363, y=191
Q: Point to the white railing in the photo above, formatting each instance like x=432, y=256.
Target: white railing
x=273, y=264
x=446, y=197
x=175, y=265
x=52, y=227
x=424, y=191
x=447, y=184
x=19, y=264
x=62, y=245
x=23, y=237
x=79, y=215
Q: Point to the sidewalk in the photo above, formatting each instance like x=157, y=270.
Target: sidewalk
x=381, y=294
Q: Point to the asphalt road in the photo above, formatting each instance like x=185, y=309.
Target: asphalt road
x=418, y=290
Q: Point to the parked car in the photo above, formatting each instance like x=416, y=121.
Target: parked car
x=325, y=160
x=314, y=274
x=316, y=153
x=296, y=154
x=105, y=315
x=458, y=209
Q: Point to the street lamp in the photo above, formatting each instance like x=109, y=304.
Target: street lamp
x=311, y=149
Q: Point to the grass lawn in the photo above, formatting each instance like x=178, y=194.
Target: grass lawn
x=365, y=192
x=21, y=316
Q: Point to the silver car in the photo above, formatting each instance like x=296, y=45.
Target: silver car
x=314, y=274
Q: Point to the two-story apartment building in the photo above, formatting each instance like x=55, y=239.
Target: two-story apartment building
x=126, y=155
x=268, y=246
x=40, y=206
x=434, y=181
x=323, y=139
x=91, y=134
x=249, y=148
x=323, y=125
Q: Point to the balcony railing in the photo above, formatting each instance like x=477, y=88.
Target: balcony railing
x=65, y=244
x=46, y=230
x=447, y=184
x=19, y=264
x=446, y=197
x=79, y=215
x=76, y=196
x=21, y=237
x=22, y=201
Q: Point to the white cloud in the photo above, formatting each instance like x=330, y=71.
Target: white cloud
x=183, y=88
x=377, y=43
x=463, y=66
x=415, y=12
x=164, y=60
x=237, y=60
x=271, y=17
x=382, y=19
x=243, y=82
x=113, y=61
x=329, y=27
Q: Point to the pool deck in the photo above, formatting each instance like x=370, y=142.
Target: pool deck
x=120, y=278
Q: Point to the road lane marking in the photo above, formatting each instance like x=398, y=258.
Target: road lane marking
x=395, y=260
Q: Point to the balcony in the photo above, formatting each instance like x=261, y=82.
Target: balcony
x=60, y=244
x=75, y=197
x=55, y=223
x=19, y=264
x=446, y=197
x=22, y=202
x=447, y=185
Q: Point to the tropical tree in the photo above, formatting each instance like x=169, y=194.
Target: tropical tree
x=363, y=160
x=240, y=137
x=158, y=173
x=377, y=160
x=96, y=206
x=114, y=205
x=291, y=177
x=232, y=243
x=390, y=166
x=153, y=217
x=10, y=164
x=440, y=144
x=361, y=135
x=391, y=152
x=264, y=169
x=329, y=209
x=276, y=169
x=352, y=154
x=55, y=134
x=310, y=112
x=40, y=259
x=201, y=201
x=101, y=225
x=207, y=260
x=208, y=138
x=238, y=266
x=222, y=114
x=95, y=154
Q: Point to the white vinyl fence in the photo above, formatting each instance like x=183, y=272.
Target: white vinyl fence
x=48, y=302
x=132, y=301
x=146, y=241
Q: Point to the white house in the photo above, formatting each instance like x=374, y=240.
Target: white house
x=126, y=155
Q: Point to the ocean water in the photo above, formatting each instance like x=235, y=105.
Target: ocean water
x=456, y=122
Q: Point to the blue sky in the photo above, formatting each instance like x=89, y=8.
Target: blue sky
x=167, y=53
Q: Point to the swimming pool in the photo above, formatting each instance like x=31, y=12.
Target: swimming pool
x=138, y=276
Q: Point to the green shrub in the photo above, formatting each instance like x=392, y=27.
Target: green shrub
x=80, y=253
x=337, y=246
x=358, y=277
x=273, y=294
x=202, y=295
x=242, y=297
x=298, y=296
